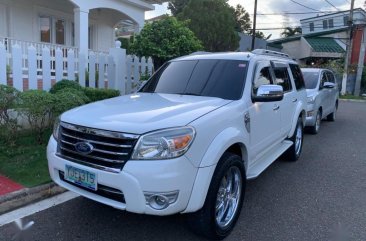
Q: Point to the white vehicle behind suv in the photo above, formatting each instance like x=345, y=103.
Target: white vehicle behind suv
x=188, y=140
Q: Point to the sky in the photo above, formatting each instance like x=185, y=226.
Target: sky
x=279, y=7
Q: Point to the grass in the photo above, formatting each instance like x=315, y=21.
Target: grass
x=352, y=97
x=26, y=162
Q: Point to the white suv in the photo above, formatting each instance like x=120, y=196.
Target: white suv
x=188, y=140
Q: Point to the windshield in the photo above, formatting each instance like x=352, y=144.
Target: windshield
x=311, y=79
x=214, y=78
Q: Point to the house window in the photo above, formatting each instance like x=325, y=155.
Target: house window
x=60, y=31
x=331, y=23
x=345, y=20
x=45, y=23
x=325, y=24
x=52, y=30
x=311, y=25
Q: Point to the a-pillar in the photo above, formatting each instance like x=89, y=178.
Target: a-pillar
x=81, y=18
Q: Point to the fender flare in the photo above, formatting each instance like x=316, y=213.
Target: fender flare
x=222, y=142
x=299, y=111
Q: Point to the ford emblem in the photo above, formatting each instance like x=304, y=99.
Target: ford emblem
x=84, y=148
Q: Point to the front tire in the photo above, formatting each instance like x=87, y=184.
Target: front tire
x=293, y=153
x=224, y=200
x=315, y=128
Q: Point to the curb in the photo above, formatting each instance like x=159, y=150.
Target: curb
x=27, y=196
x=350, y=100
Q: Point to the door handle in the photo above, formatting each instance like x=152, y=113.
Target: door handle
x=276, y=107
x=294, y=100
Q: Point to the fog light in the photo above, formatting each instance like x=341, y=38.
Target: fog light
x=160, y=201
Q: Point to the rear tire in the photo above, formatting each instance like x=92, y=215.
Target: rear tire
x=224, y=200
x=293, y=153
x=315, y=128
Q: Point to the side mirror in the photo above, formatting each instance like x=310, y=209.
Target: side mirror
x=268, y=93
x=328, y=85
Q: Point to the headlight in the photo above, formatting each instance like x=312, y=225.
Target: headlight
x=56, y=128
x=311, y=99
x=164, y=144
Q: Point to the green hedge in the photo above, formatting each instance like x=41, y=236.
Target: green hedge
x=100, y=94
x=65, y=84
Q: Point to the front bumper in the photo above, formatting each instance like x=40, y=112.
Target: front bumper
x=136, y=179
x=310, y=115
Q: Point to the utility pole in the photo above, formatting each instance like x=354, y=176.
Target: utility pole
x=360, y=64
x=348, y=49
x=254, y=24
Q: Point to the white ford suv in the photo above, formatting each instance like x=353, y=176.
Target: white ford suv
x=188, y=140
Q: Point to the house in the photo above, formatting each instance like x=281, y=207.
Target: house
x=83, y=24
x=325, y=37
x=245, y=43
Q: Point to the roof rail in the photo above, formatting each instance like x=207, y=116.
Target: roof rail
x=270, y=52
x=200, y=53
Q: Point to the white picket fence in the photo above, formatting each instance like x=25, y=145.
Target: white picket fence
x=26, y=65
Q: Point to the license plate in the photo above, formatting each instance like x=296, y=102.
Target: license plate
x=81, y=177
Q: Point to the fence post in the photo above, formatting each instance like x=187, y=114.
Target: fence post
x=119, y=56
x=17, y=67
x=82, y=69
x=3, y=69
x=71, y=64
x=101, y=71
x=136, y=71
x=92, y=72
x=128, y=74
x=111, y=73
x=46, y=68
x=59, y=65
x=143, y=66
x=32, y=67
x=150, y=66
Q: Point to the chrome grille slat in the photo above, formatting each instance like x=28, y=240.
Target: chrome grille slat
x=109, y=150
x=96, y=142
x=94, y=157
x=102, y=151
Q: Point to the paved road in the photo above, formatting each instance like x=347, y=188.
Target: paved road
x=321, y=197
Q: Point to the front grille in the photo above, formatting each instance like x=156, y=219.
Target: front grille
x=111, y=150
x=104, y=191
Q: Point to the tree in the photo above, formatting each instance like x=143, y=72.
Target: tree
x=177, y=6
x=288, y=32
x=243, y=23
x=213, y=22
x=259, y=34
x=164, y=40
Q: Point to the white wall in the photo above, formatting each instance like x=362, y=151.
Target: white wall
x=3, y=16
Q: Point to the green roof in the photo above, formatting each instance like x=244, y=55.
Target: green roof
x=325, y=45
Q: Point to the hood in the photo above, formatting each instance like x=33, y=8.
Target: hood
x=142, y=112
x=311, y=92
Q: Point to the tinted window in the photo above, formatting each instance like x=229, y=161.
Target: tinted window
x=283, y=78
x=311, y=79
x=215, y=78
x=298, y=78
x=325, y=24
x=330, y=77
x=263, y=77
x=323, y=79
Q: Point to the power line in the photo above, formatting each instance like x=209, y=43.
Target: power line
x=305, y=6
x=294, y=13
x=331, y=4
